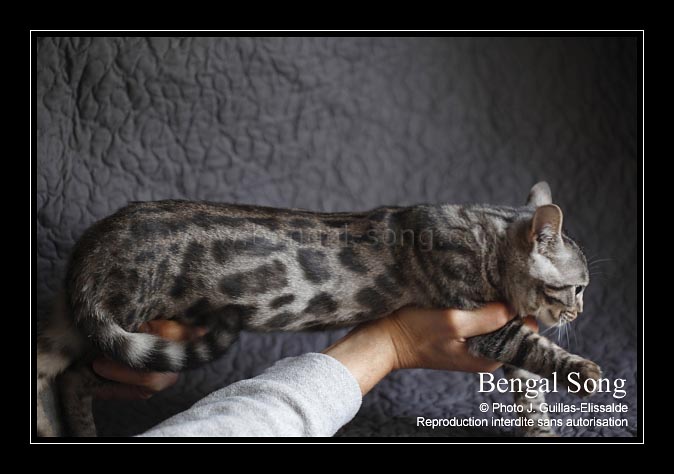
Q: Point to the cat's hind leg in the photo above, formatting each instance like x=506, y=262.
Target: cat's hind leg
x=77, y=386
x=49, y=364
x=59, y=344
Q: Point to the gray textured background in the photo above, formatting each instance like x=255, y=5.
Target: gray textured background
x=348, y=124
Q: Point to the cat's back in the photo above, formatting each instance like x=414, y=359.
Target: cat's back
x=159, y=234
x=174, y=253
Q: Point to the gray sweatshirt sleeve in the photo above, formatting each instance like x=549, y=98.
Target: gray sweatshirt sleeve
x=309, y=395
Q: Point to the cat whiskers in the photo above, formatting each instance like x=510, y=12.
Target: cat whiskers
x=566, y=332
x=598, y=261
x=559, y=331
x=594, y=265
x=573, y=332
x=562, y=327
x=551, y=328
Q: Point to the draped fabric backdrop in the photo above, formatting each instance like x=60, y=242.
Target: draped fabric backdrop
x=346, y=124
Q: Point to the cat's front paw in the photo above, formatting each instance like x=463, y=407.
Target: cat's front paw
x=582, y=377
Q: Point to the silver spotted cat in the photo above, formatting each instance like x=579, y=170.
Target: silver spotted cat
x=232, y=267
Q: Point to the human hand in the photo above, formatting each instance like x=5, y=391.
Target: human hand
x=419, y=338
x=136, y=384
x=436, y=339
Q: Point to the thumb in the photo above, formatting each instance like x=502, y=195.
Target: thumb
x=172, y=330
x=486, y=319
x=531, y=322
x=120, y=391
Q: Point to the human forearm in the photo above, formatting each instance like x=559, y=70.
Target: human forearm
x=315, y=394
x=413, y=337
x=309, y=395
x=367, y=352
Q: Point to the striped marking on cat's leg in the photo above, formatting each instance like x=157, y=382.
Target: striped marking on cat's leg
x=518, y=345
x=541, y=356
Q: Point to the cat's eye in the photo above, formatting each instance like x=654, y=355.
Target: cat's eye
x=579, y=289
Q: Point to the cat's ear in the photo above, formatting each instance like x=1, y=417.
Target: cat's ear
x=546, y=227
x=540, y=195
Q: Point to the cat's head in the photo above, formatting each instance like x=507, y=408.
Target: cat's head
x=550, y=271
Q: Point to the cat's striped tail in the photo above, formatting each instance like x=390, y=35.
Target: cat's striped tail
x=149, y=352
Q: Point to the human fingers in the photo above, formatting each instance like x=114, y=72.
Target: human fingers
x=479, y=364
x=531, y=322
x=172, y=330
x=120, y=391
x=486, y=319
x=462, y=359
x=472, y=363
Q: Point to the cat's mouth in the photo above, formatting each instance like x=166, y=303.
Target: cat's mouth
x=566, y=317
x=551, y=317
